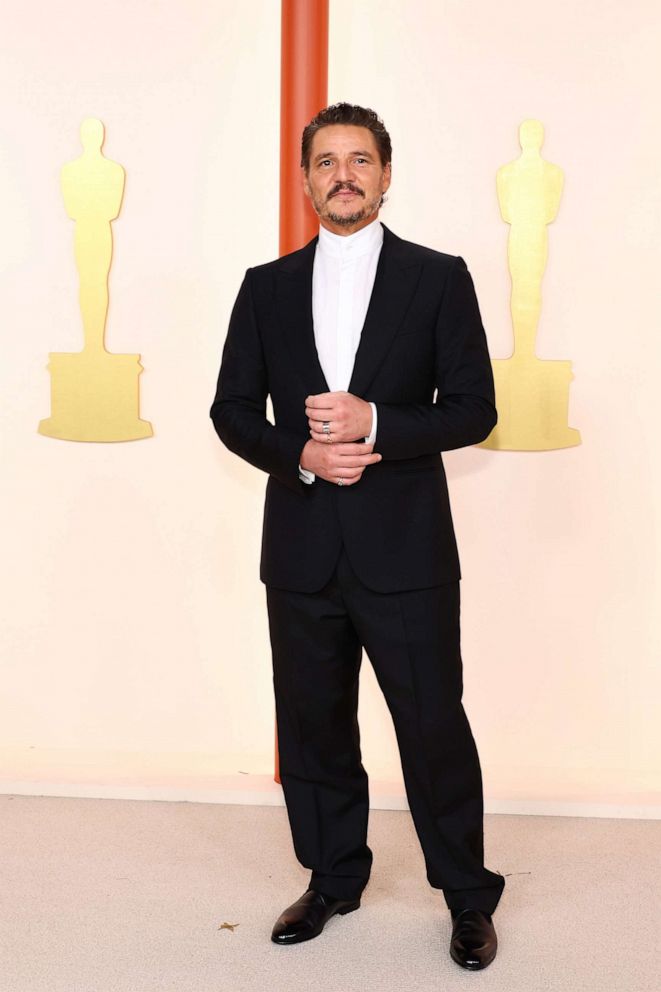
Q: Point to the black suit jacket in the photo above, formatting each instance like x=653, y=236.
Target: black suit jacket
x=423, y=332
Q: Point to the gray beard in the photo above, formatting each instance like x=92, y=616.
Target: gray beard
x=346, y=220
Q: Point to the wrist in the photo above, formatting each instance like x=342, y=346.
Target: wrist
x=301, y=460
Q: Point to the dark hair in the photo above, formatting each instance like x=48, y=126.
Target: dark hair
x=347, y=113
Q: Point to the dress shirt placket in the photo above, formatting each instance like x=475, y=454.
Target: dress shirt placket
x=344, y=330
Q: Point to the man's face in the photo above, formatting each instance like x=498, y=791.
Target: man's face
x=345, y=178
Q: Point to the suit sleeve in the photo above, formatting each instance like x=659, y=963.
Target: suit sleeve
x=238, y=411
x=464, y=411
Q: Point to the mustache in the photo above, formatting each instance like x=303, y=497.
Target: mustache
x=349, y=187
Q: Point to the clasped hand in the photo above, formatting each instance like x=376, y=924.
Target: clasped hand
x=350, y=418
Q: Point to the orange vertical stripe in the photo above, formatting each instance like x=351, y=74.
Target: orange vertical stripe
x=303, y=93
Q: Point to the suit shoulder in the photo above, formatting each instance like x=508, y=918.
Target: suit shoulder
x=432, y=256
x=282, y=262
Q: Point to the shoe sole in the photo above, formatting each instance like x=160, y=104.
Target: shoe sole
x=298, y=938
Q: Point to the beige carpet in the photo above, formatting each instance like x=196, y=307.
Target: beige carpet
x=100, y=895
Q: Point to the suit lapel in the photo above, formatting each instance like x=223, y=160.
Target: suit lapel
x=395, y=283
x=294, y=307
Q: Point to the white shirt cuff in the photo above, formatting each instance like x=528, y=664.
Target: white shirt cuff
x=371, y=437
x=306, y=475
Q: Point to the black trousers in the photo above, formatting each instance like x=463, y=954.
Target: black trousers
x=412, y=639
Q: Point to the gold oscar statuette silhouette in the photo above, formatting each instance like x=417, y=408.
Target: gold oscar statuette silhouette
x=532, y=394
x=94, y=393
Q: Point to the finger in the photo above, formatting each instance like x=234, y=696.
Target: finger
x=355, y=448
x=349, y=447
x=347, y=480
x=357, y=461
x=321, y=436
x=336, y=436
x=348, y=471
x=320, y=413
x=318, y=426
x=319, y=397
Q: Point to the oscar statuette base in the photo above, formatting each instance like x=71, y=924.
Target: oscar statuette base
x=532, y=399
x=94, y=397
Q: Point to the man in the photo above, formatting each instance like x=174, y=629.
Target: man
x=351, y=336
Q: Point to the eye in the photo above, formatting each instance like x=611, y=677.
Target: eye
x=361, y=159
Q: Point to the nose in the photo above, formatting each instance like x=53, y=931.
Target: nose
x=344, y=172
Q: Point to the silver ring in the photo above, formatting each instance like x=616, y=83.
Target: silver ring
x=326, y=427
x=340, y=482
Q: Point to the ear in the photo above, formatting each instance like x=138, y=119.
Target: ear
x=306, y=184
x=387, y=176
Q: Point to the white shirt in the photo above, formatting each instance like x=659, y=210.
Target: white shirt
x=342, y=281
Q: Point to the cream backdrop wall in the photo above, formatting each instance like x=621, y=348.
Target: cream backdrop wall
x=135, y=650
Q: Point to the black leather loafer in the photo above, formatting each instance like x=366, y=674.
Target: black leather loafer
x=306, y=917
x=473, y=944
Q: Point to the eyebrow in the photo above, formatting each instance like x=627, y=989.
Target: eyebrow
x=362, y=152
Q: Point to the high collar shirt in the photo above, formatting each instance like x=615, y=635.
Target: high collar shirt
x=342, y=281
